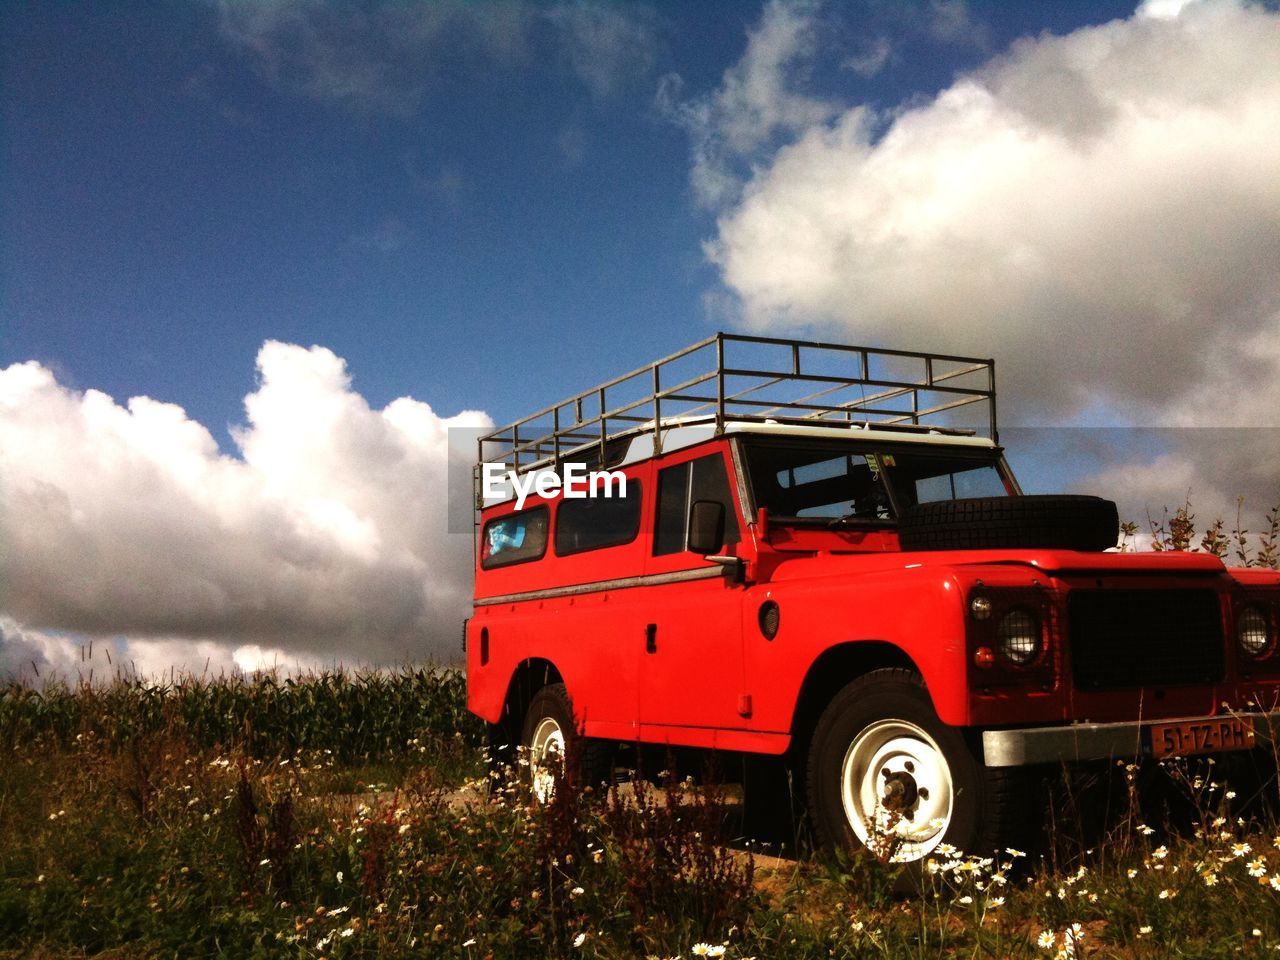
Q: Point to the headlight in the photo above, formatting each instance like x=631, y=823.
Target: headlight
x=1019, y=637
x=1252, y=631
x=980, y=607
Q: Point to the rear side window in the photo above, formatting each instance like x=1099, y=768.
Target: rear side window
x=514, y=538
x=589, y=523
x=682, y=485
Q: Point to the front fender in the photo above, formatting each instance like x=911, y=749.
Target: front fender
x=918, y=613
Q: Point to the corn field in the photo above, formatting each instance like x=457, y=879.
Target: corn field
x=356, y=717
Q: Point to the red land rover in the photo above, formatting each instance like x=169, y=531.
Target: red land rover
x=822, y=555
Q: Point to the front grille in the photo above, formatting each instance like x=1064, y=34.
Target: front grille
x=1145, y=638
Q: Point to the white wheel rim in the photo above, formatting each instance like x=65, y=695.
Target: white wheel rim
x=896, y=788
x=546, y=758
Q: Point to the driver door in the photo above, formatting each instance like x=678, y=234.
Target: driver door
x=691, y=657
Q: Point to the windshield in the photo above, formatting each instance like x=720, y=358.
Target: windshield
x=821, y=483
x=928, y=477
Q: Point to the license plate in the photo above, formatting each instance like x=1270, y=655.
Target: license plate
x=1201, y=736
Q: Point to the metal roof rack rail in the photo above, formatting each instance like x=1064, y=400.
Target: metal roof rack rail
x=736, y=377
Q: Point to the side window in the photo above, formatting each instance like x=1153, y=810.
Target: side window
x=588, y=523
x=514, y=538
x=682, y=485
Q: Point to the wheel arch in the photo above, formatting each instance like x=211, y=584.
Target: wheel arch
x=834, y=668
x=527, y=679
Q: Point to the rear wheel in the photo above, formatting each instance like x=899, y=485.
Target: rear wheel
x=555, y=749
x=886, y=774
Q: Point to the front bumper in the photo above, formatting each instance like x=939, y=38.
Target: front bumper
x=1093, y=741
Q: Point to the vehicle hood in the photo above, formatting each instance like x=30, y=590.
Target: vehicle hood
x=1052, y=562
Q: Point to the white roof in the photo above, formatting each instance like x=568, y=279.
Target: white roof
x=682, y=432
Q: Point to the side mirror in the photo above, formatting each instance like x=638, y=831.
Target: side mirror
x=706, y=527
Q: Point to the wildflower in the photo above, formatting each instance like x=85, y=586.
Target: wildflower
x=40, y=879
x=1257, y=868
x=1143, y=931
x=1145, y=830
x=404, y=828
x=1211, y=879
x=995, y=902
x=576, y=892
x=1131, y=873
x=470, y=943
x=263, y=862
x=1166, y=894
x=1274, y=882
x=1240, y=849
x=347, y=932
x=580, y=939
x=1014, y=853
x=1160, y=852
x=965, y=899
x=340, y=875
x=1047, y=939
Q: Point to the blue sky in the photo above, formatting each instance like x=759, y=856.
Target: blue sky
x=509, y=234
x=257, y=257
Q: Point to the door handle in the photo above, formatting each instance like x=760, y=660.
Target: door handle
x=651, y=638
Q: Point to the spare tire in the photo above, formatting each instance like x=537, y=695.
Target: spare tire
x=1060, y=522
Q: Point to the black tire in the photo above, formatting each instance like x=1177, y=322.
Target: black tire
x=588, y=762
x=988, y=808
x=1059, y=522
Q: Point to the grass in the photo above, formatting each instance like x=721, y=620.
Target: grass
x=138, y=823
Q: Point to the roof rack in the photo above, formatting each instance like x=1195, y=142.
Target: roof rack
x=734, y=377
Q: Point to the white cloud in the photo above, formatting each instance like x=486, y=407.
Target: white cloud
x=1100, y=211
x=1209, y=469
x=605, y=43
x=951, y=21
x=872, y=58
x=1162, y=9
x=383, y=56
x=325, y=540
x=390, y=235
x=571, y=144
x=36, y=654
x=762, y=101
x=755, y=103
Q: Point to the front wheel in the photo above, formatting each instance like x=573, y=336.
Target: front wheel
x=555, y=749
x=886, y=774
